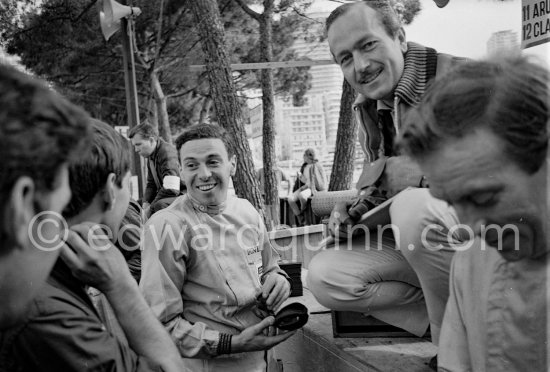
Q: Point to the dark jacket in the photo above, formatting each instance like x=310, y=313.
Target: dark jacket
x=128, y=244
x=164, y=162
x=64, y=332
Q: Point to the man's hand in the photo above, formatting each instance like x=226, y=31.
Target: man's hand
x=254, y=339
x=94, y=259
x=400, y=173
x=340, y=222
x=275, y=290
x=146, y=208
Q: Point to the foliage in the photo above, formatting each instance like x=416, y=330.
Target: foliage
x=288, y=22
x=62, y=42
x=407, y=9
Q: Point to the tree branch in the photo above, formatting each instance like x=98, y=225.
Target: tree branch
x=302, y=14
x=248, y=11
x=159, y=35
x=91, y=4
x=180, y=93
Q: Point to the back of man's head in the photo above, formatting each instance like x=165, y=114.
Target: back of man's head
x=508, y=96
x=39, y=132
x=146, y=131
x=109, y=153
x=205, y=131
x=386, y=13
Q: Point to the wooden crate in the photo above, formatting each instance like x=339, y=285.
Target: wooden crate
x=298, y=244
x=353, y=324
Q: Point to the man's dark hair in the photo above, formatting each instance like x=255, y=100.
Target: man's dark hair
x=146, y=130
x=109, y=153
x=388, y=17
x=205, y=131
x=39, y=132
x=508, y=96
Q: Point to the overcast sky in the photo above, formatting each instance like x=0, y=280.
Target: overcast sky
x=463, y=26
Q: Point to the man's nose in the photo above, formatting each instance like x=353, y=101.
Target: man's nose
x=361, y=62
x=204, y=172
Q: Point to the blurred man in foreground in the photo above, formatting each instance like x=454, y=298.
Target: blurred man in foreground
x=481, y=137
x=39, y=133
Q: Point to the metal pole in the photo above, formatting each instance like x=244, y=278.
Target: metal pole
x=132, y=108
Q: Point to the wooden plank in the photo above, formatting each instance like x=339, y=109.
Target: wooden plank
x=269, y=65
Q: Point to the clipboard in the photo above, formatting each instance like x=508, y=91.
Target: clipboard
x=378, y=216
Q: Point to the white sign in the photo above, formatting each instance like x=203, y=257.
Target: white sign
x=122, y=129
x=536, y=23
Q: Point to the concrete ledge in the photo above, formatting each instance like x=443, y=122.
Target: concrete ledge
x=295, y=231
x=314, y=348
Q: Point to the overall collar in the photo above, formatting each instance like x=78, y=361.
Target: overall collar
x=211, y=209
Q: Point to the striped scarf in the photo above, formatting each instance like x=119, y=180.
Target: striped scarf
x=419, y=68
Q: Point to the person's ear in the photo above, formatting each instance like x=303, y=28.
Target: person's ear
x=20, y=211
x=233, y=161
x=109, y=195
x=402, y=40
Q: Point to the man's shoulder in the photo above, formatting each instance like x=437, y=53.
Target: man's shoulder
x=241, y=205
x=445, y=62
x=474, y=260
x=164, y=148
x=56, y=302
x=175, y=213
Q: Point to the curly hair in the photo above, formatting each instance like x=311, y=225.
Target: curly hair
x=204, y=131
x=109, y=153
x=507, y=95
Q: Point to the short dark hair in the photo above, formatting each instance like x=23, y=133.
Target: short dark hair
x=109, y=153
x=39, y=132
x=146, y=130
x=205, y=131
x=387, y=15
x=508, y=95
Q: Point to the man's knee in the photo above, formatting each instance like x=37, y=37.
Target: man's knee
x=329, y=282
x=335, y=282
x=422, y=224
x=320, y=272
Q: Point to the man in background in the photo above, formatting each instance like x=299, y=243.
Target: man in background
x=163, y=171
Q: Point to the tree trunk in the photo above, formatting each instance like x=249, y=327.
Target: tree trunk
x=268, y=130
x=161, y=107
x=346, y=137
x=226, y=104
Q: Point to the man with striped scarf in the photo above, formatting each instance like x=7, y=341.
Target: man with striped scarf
x=399, y=276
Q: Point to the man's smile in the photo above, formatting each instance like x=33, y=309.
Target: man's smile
x=370, y=77
x=207, y=187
